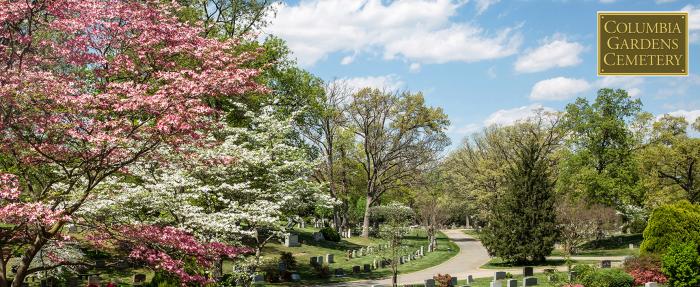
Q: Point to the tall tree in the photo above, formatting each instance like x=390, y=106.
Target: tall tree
x=477, y=173
x=600, y=166
x=522, y=226
x=87, y=89
x=397, y=135
x=325, y=129
x=670, y=163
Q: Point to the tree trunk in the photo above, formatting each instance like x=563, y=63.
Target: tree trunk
x=365, y=221
x=394, y=279
x=27, y=258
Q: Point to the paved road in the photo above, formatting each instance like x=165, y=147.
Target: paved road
x=471, y=255
x=467, y=262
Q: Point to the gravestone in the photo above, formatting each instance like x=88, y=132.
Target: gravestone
x=430, y=283
x=339, y=272
x=313, y=260
x=362, y=251
x=302, y=224
x=329, y=258
x=354, y=254
x=296, y=277
x=291, y=240
x=495, y=284
x=139, y=278
x=282, y=266
x=319, y=260
x=453, y=281
x=318, y=236
x=401, y=260
x=572, y=276
x=422, y=253
x=512, y=283
x=356, y=269
x=367, y=268
x=605, y=264
x=631, y=245
x=375, y=264
x=470, y=279
x=258, y=279
x=499, y=275
x=529, y=281
x=527, y=271
x=430, y=248
x=93, y=279
x=650, y=284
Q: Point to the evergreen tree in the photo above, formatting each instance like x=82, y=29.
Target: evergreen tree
x=522, y=225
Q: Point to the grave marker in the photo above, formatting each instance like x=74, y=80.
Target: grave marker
x=530, y=281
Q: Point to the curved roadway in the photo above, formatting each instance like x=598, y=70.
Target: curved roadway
x=467, y=262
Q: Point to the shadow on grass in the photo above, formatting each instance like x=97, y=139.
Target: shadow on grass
x=498, y=263
x=613, y=242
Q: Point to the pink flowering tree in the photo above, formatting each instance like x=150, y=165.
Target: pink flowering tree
x=87, y=87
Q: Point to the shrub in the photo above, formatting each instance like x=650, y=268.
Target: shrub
x=671, y=223
x=645, y=268
x=442, y=280
x=323, y=271
x=593, y=277
x=330, y=234
x=681, y=264
x=289, y=260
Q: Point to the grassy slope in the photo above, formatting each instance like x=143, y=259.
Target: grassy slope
x=304, y=252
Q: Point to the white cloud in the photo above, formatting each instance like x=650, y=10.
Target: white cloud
x=463, y=130
x=389, y=82
x=689, y=116
x=664, y=1
x=630, y=84
x=555, y=52
x=414, y=67
x=510, y=116
x=558, y=88
x=347, y=60
x=693, y=22
x=416, y=30
x=482, y=5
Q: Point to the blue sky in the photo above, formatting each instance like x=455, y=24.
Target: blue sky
x=484, y=62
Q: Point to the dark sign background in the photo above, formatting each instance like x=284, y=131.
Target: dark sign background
x=642, y=17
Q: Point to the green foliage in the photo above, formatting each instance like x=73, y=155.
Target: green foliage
x=288, y=259
x=601, y=168
x=681, y=264
x=330, y=234
x=671, y=223
x=590, y=276
x=523, y=225
x=162, y=279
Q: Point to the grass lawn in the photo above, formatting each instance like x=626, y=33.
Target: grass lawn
x=471, y=232
x=617, y=245
x=445, y=251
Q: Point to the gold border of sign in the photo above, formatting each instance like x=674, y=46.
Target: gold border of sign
x=687, y=43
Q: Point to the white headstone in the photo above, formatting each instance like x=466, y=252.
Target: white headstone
x=291, y=240
x=650, y=284
x=495, y=284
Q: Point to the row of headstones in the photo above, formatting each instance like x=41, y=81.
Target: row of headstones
x=453, y=282
x=356, y=253
x=366, y=268
x=500, y=276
